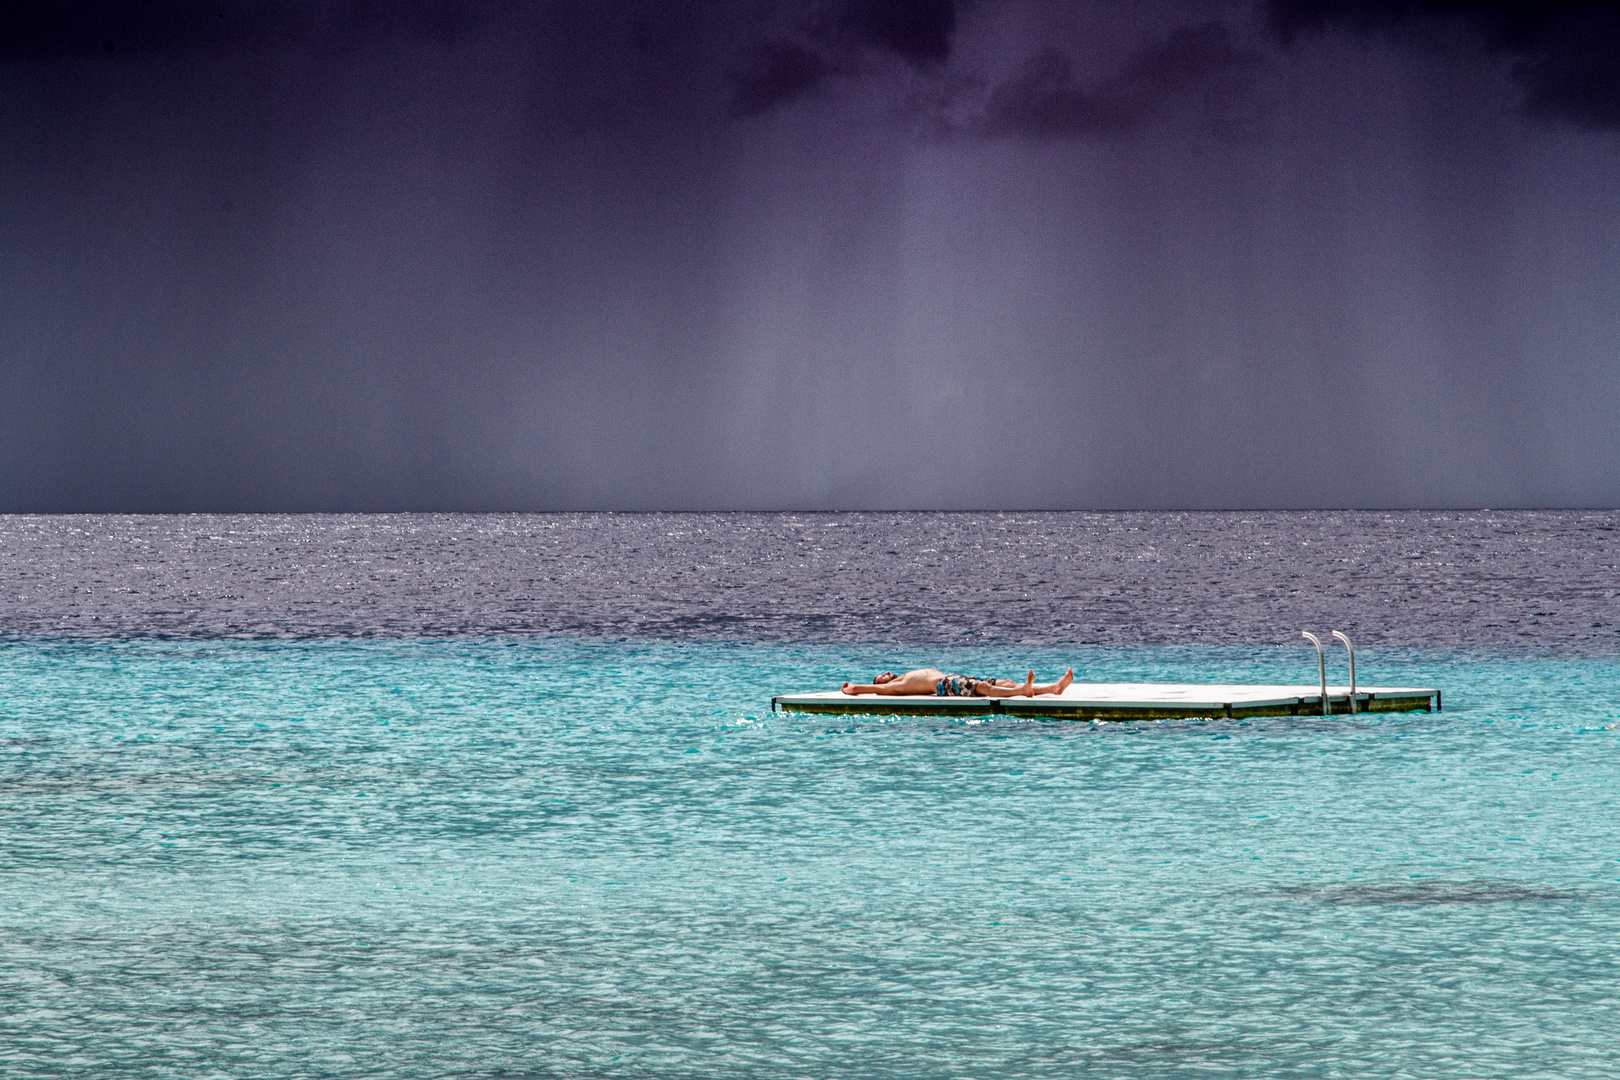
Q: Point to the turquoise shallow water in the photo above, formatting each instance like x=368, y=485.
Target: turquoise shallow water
x=564, y=857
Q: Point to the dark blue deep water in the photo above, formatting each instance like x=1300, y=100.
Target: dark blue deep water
x=503, y=796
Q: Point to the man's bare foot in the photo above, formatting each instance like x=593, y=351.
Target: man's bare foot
x=1029, y=685
x=1063, y=683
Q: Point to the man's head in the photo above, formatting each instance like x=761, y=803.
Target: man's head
x=884, y=677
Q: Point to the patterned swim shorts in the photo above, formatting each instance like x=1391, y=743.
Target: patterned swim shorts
x=956, y=686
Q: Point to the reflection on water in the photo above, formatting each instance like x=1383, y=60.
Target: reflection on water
x=1497, y=581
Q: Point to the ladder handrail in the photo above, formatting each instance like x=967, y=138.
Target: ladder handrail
x=1346, y=639
x=1321, y=667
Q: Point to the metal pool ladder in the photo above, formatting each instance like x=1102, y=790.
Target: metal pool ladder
x=1321, y=667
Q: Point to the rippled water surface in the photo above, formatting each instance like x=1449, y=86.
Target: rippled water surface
x=247, y=841
x=1518, y=581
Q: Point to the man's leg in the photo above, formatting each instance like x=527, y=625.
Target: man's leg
x=1057, y=687
x=1029, y=688
x=988, y=689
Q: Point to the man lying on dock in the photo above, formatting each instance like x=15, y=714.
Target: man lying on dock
x=926, y=682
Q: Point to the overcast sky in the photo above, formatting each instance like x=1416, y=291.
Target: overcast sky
x=856, y=254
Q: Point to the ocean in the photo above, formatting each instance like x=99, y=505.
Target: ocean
x=503, y=796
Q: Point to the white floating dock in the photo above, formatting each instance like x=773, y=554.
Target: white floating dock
x=1127, y=701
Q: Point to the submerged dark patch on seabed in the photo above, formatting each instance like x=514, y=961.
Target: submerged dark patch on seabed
x=1429, y=892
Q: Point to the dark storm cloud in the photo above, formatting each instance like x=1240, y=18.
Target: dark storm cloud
x=831, y=42
x=171, y=27
x=1048, y=99
x=920, y=31
x=1565, y=53
x=782, y=71
x=578, y=254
